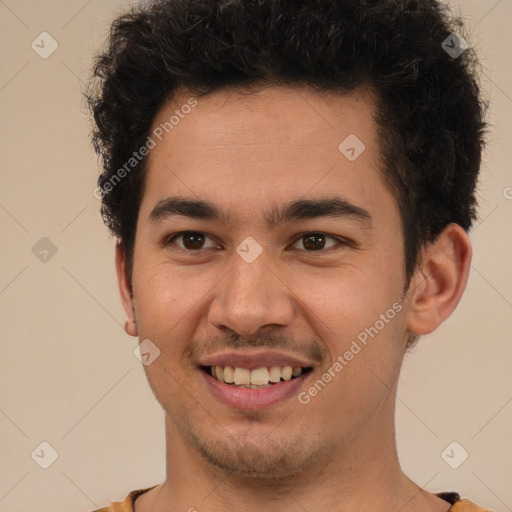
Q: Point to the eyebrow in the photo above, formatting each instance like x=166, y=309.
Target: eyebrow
x=300, y=209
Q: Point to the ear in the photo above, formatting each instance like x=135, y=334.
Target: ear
x=125, y=289
x=439, y=281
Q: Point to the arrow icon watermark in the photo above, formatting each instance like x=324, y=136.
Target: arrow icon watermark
x=454, y=455
x=352, y=147
x=454, y=45
x=146, y=352
x=44, y=455
x=44, y=45
x=44, y=250
x=249, y=249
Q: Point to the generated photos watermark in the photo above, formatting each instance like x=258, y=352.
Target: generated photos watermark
x=355, y=348
x=143, y=151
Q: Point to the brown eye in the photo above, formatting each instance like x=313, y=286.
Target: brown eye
x=315, y=242
x=191, y=240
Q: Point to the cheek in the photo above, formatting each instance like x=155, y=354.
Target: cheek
x=167, y=300
x=165, y=309
x=358, y=316
x=166, y=293
x=359, y=380
x=345, y=300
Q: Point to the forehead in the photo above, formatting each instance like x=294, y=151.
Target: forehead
x=284, y=118
x=271, y=143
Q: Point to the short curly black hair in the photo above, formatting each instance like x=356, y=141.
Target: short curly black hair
x=430, y=114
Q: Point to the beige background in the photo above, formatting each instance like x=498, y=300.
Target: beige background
x=68, y=375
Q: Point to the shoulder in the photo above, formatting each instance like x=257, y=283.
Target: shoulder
x=126, y=505
x=467, y=506
x=459, y=505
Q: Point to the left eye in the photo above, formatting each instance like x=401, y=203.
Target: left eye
x=316, y=241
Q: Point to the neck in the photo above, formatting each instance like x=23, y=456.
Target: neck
x=361, y=473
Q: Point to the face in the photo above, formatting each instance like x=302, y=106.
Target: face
x=285, y=251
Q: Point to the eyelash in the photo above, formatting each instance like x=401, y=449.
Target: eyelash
x=170, y=239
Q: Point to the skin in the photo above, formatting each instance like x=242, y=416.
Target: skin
x=245, y=153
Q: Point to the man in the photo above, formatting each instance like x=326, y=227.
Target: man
x=291, y=185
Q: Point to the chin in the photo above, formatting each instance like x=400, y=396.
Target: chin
x=263, y=460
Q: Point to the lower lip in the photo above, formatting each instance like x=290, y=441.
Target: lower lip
x=245, y=398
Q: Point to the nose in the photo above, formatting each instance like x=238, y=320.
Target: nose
x=251, y=296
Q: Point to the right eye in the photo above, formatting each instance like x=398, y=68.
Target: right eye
x=192, y=241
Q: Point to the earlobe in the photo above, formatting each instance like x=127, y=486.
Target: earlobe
x=125, y=291
x=130, y=327
x=440, y=280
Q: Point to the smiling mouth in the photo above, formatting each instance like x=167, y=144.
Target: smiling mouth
x=258, y=378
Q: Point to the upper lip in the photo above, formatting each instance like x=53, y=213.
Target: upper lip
x=254, y=359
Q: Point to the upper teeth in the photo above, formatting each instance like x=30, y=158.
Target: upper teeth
x=259, y=376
